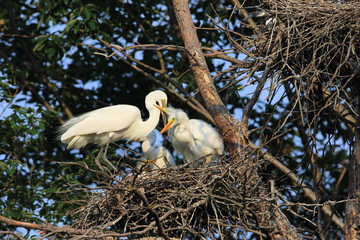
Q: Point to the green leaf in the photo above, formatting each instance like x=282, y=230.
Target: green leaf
x=49, y=190
x=70, y=24
x=41, y=125
x=76, y=28
x=34, y=131
x=92, y=25
x=12, y=167
x=87, y=12
x=40, y=43
x=51, y=52
x=12, y=123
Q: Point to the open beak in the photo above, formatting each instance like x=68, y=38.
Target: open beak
x=167, y=126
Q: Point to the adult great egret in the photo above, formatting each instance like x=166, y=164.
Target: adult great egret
x=192, y=138
x=113, y=123
x=159, y=156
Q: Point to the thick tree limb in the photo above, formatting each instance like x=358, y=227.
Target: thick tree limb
x=230, y=129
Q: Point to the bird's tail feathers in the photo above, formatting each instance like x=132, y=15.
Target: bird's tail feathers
x=77, y=142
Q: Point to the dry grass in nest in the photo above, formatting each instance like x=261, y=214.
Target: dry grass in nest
x=179, y=201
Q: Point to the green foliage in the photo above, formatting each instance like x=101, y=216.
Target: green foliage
x=44, y=69
x=47, y=71
x=49, y=48
x=22, y=135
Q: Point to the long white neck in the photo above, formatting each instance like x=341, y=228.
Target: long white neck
x=151, y=123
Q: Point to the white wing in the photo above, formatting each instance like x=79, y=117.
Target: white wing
x=107, y=119
x=207, y=139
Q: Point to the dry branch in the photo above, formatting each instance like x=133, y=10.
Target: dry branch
x=233, y=133
x=181, y=200
x=312, y=47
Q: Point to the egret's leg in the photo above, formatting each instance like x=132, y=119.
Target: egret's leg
x=106, y=147
x=98, y=157
x=208, y=160
x=105, y=152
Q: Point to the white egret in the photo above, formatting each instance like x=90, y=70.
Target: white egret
x=113, y=123
x=158, y=156
x=192, y=138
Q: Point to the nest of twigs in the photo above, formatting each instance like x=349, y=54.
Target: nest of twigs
x=181, y=201
x=312, y=41
x=312, y=48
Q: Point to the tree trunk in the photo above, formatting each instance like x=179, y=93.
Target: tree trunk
x=230, y=129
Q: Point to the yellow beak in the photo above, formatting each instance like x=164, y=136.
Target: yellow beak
x=162, y=109
x=167, y=126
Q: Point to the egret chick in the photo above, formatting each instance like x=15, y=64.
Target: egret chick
x=111, y=124
x=159, y=156
x=192, y=138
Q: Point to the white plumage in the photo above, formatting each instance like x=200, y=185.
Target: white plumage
x=159, y=156
x=111, y=124
x=192, y=138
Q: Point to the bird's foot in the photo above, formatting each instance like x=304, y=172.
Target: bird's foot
x=150, y=162
x=101, y=166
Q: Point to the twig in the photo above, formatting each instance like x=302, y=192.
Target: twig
x=12, y=233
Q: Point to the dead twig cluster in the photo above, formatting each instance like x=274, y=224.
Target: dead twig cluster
x=315, y=46
x=226, y=197
x=310, y=48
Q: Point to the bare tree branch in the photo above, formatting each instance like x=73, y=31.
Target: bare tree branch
x=227, y=124
x=310, y=194
x=12, y=233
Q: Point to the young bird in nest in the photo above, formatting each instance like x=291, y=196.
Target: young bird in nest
x=192, y=138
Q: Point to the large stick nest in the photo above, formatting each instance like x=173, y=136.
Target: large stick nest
x=179, y=201
x=313, y=40
x=313, y=47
